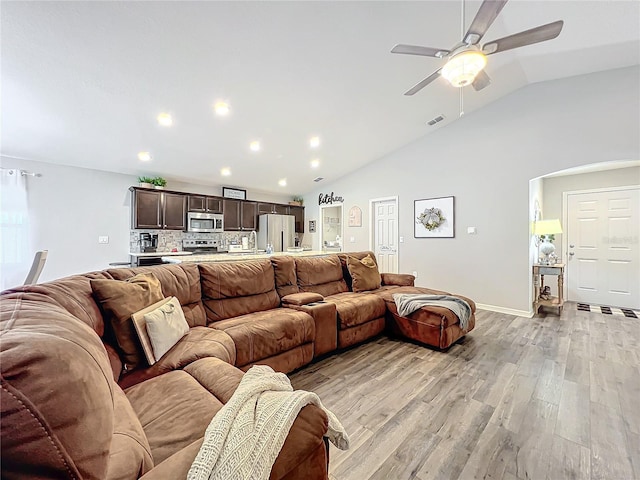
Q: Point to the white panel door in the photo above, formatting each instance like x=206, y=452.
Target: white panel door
x=385, y=234
x=603, y=230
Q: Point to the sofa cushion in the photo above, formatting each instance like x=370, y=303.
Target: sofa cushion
x=174, y=410
x=234, y=289
x=261, y=335
x=66, y=431
x=285, y=275
x=198, y=343
x=119, y=300
x=345, y=268
x=130, y=453
x=321, y=275
x=180, y=281
x=356, y=308
x=364, y=273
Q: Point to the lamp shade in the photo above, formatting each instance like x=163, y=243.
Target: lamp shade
x=547, y=227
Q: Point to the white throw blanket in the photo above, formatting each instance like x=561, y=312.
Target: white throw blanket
x=246, y=435
x=408, y=303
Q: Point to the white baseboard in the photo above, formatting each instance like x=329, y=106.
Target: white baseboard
x=508, y=311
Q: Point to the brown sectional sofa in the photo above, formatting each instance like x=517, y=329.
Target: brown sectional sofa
x=70, y=409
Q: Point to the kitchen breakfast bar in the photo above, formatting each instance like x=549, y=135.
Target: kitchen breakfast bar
x=241, y=256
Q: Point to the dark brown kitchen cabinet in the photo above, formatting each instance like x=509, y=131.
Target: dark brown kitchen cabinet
x=298, y=213
x=240, y=215
x=174, y=211
x=202, y=203
x=264, y=207
x=154, y=210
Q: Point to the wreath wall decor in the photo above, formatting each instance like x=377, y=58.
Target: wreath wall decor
x=434, y=217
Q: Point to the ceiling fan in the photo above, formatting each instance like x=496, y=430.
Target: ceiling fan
x=466, y=60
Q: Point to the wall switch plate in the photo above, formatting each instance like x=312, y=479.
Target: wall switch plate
x=401, y=239
x=103, y=239
x=352, y=239
x=471, y=230
x=415, y=274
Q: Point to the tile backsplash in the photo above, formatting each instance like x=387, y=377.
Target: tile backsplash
x=170, y=239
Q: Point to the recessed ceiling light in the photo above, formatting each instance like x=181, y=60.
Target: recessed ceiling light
x=314, y=142
x=225, y=172
x=255, y=146
x=165, y=120
x=282, y=182
x=315, y=163
x=221, y=108
x=144, y=156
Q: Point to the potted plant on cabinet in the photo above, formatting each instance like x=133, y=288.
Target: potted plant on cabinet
x=145, y=182
x=297, y=201
x=159, y=183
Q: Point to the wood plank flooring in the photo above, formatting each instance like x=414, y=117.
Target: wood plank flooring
x=517, y=399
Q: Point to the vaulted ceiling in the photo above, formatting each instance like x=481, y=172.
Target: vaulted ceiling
x=83, y=82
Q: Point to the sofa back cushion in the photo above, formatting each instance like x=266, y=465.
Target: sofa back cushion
x=73, y=294
x=345, y=267
x=233, y=289
x=364, y=274
x=285, y=275
x=57, y=397
x=180, y=281
x=321, y=275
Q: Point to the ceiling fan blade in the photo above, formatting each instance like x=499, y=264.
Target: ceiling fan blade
x=420, y=85
x=417, y=50
x=487, y=13
x=481, y=81
x=528, y=37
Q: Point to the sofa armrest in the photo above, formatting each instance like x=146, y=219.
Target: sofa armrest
x=401, y=279
x=325, y=317
x=302, y=298
x=199, y=342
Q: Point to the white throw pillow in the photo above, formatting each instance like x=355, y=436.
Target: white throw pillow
x=165, y=326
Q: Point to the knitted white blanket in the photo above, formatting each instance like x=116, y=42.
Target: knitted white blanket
x=246, y=435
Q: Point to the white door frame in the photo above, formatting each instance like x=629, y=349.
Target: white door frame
x=565, y=220
x=321, y=229
x=372, y=219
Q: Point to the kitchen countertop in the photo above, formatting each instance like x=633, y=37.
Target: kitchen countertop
x=231, y=257
x=158, y=254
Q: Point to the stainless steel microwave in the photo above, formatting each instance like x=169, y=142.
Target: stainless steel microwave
x=205, y=222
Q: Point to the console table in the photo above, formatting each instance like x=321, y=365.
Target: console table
x=539, y=271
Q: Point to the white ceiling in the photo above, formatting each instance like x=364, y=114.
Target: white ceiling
x=82, y=82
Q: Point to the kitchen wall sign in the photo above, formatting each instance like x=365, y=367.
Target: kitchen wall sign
x=329, y=199
x=236, y=193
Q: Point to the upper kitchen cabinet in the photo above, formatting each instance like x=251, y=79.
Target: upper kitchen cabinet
x=240, y=214
x=203, y=203
x=264, y=207
x=298, y=213
x=152, y=209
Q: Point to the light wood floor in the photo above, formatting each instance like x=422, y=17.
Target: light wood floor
x=543, y=398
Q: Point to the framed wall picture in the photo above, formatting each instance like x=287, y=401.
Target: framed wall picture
x=355, y=216
x=434, y=218
x=312, y=226
x=236, y=193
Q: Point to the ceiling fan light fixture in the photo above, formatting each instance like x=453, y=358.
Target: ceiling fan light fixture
x=462, y=68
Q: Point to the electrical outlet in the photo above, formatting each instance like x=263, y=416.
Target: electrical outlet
x=401, y=239
x=103, y=239
x=415, y=274
x=352, y=239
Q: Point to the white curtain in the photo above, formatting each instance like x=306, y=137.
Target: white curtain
x=15, y=248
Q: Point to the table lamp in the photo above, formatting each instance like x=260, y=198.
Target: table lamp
x=545, y=231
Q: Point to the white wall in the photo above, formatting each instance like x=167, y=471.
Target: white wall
x=486, y=160
x=70, y=207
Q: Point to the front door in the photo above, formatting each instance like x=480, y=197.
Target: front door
x=603, y=264
x=385, y=234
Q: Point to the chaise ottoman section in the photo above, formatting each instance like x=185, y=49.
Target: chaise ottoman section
x=261, y=335
x=431, y=325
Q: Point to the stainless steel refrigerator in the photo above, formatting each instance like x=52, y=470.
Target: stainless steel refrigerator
x=278, y=230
